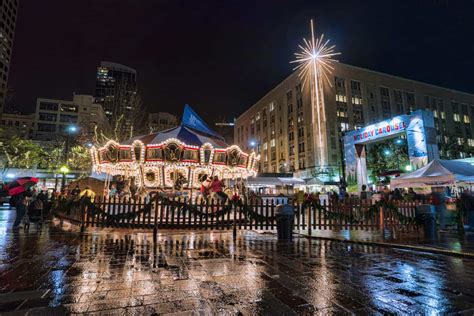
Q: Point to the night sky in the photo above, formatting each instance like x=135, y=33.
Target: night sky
x=222, y=56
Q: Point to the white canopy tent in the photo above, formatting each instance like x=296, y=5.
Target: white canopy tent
x=438, y=173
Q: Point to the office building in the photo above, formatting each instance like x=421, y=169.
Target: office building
x=8, y=15
x=279, y=126
x=115, y=90
x=161, y=121
x=53, y=117
x=17, y=124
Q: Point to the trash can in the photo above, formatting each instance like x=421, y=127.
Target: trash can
x=285, y=214
x=426, y=215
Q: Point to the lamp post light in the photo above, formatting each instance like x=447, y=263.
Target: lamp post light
x=64, y=170
x=71, y=130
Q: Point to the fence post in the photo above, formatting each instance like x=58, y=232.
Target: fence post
x=83, y=216
x=381, y=219
x=234, y=228
x=309, y=219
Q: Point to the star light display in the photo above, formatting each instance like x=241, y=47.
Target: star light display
x=314, y=62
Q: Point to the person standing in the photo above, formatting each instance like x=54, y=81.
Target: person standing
x=76, y=191
x=87, y=193
x=21, y=204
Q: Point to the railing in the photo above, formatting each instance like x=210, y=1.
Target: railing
x=161, y=212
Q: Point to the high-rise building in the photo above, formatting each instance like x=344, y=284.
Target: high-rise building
x=53, y=117
x=280, y=128
x=8, y=14
x=116, y=91
x=161, y=121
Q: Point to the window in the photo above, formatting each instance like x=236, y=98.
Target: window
x=291, y=150
x=271, y=107
x=49, y=106
x=265, y=146
x=344, y=126
x=68, y=108
x=272, y=143
x=47, y=117
x=384, y=92
x=340, y=83
x=355, y=86
x=456, y=117
x=467, y=120
x=341, y=98
x=42, y=127
x=68, y=118
x=470, y=142
x=289, y=97
x=291, y=136
x=357, y=100
x=257, y=117
x=300, y=132
x=341, y=112
x=301, y=148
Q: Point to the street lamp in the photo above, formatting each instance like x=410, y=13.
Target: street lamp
x=386, y=152
x=398, y=141
x=70, y=130
x=64, y=170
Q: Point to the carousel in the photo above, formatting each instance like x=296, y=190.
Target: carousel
x=177, y=159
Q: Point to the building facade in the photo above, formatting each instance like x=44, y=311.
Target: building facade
x=280, y=125
x=17, y=124
x=8, y=15
x=116, y=91
x=54, y=117
x=161, y=121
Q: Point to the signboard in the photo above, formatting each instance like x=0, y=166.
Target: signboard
x=420, y=133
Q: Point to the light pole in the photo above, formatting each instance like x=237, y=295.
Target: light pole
x=71, y=130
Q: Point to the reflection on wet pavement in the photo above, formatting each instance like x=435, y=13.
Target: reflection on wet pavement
x=125, y=272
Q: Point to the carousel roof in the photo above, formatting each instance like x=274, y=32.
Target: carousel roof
x=184, y=134
x=192, y=131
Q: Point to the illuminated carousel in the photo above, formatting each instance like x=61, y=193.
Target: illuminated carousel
x=187, y=153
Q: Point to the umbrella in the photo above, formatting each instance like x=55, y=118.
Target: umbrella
x=19, y=185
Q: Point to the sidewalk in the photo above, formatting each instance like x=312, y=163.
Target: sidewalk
x=449, y=243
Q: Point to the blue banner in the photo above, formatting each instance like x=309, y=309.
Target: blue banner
x=192, y=120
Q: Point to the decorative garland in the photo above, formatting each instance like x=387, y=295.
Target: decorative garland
x=389, y=207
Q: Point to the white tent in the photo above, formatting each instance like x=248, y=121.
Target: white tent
x=438, y=173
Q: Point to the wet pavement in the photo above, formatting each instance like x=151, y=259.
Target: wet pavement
x=184, y=273
x=446, y=241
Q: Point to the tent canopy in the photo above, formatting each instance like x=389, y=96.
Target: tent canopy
x=437, y=173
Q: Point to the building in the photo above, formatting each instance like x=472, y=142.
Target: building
x=53, y=117
x=226, y=130
x=21, y=125
x=161, y=121
x=8, y=15
x=279, y=126
x=116, y=91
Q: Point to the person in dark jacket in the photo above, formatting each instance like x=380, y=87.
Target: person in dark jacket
x=21, y=204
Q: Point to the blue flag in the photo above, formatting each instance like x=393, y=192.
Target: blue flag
x=192, y=120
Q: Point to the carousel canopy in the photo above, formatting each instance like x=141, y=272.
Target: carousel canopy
x=182, y=133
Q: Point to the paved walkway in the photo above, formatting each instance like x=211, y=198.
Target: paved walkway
x=122, y=272
x=448, y=241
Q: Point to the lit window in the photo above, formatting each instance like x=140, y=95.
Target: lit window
x=435, y=113
x=265, y=146
x=344, y=126
x=257, y=117
x=460, y=140
x=470, y=141
x=467, y=120
x=341, y=98
x=356, y=100
x=272, y=143
x=456, y=117
x=271, y=106
x=443, y=115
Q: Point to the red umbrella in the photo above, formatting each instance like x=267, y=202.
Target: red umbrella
x=20, y=185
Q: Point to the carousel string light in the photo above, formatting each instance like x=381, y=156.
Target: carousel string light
x=314, y=62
